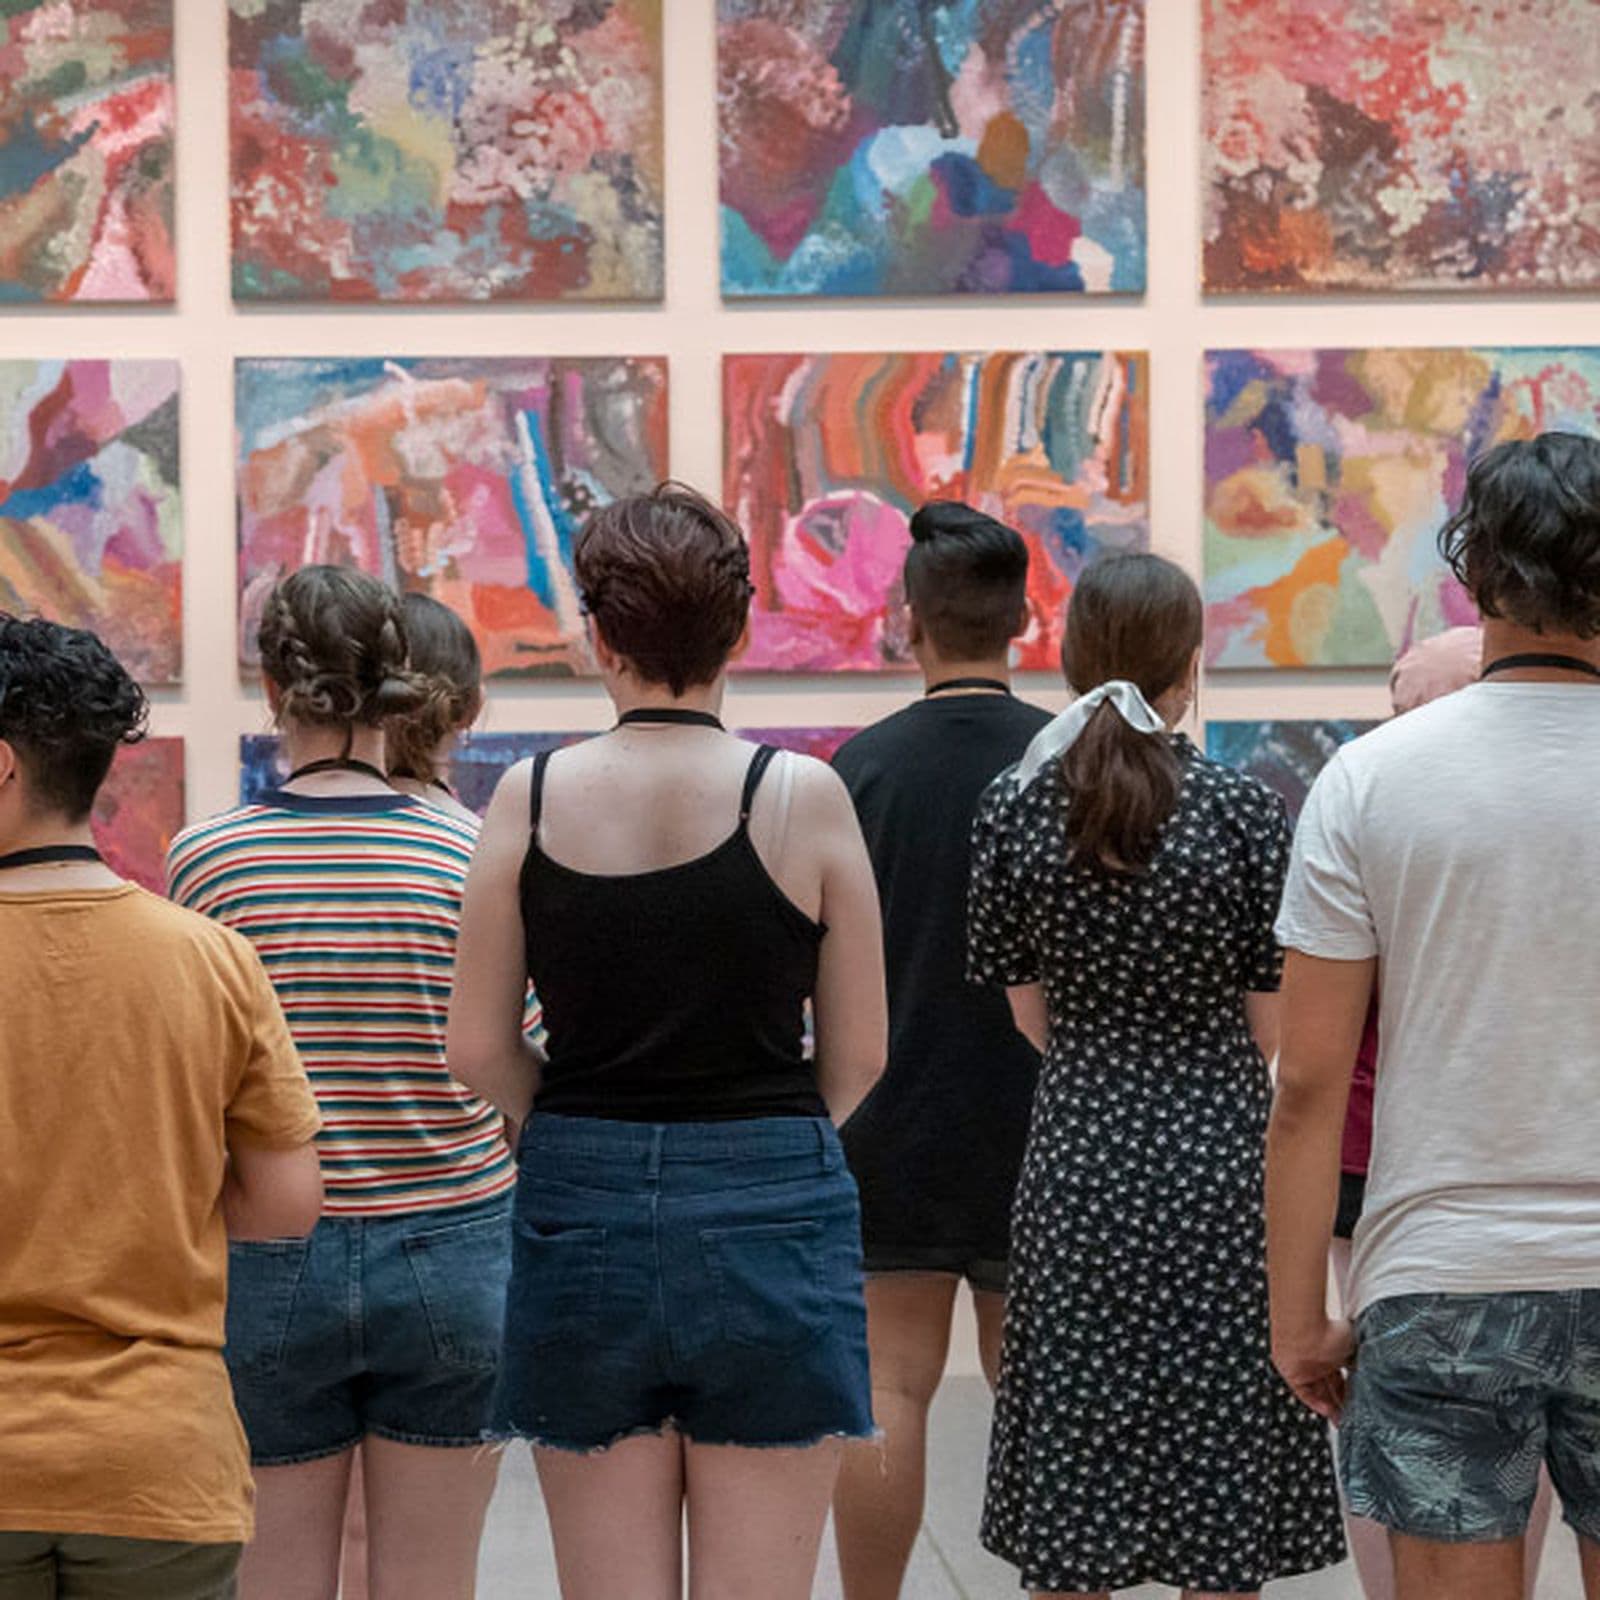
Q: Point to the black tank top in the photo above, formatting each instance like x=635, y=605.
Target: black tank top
x=675, y=995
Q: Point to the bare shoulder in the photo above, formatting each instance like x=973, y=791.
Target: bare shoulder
x=818, y=789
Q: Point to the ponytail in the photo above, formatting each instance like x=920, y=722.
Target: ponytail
x=1122, y=785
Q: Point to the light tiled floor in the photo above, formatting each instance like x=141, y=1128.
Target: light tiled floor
x=949, y=1564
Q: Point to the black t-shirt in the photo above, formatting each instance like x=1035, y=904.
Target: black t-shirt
x=937, y=1146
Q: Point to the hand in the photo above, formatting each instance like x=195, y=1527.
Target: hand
x=1313, y=1364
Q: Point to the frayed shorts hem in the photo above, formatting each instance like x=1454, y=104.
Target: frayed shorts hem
x=571, y=1447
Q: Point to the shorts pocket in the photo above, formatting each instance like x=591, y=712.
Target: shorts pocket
x=1388, y=1322
x=263, y=1280
x=769, y=1281
x=461, y=1271
x=558, y=1275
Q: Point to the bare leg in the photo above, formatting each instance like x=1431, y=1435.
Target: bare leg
x=1428, y=1569
x=425, y=1510
x=755, y=1520
x=877, y=1508
x=1589, y=1560
x=353, y=1563
x=991, y=1310
x=1538, y=1529
x=299, y=1523
x=617, y=1518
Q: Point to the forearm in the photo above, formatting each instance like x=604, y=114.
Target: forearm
x=1303, y=1142
x=508, y=1078
x=843, y=1089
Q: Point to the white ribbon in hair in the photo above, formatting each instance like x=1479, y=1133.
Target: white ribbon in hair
x=1057, y=737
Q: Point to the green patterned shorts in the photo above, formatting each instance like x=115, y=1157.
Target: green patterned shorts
x=1455, y=1402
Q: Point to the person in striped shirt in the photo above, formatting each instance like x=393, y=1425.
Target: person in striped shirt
x=382, y=1332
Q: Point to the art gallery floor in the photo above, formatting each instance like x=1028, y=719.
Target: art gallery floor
x=949, y=1565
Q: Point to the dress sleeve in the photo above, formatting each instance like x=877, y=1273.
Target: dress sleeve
x=999, y=948
x=1268, y=852
x=1325, y=907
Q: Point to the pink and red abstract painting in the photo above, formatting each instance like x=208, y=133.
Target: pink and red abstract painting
x=446, y=149
x=464, y=479
x=827, y=456
x=876, y=147
x=1389, y=144
x=90, y=513
x=86, y=170
x=139, y=810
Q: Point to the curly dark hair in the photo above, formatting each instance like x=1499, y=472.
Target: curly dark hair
x=666, y=577
x=66, y=706
x=333, y=641
x=1526, y=540
x=446, y=662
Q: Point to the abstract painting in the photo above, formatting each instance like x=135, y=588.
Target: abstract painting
x=826, y=457
x=90, y=525
x=890, y=147
x=1286, y=756
x=465, y=479
x=420, y=150
x=1329, y=474
x=86, y=118
x=139, y=810
x=1387, y=144
x=821, y=742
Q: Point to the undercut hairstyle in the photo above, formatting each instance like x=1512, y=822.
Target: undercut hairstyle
x=966, y=580
x=1138, y=618
x=66, y=706
x=666, y=577
x=1526, y=539
x=333, y=641
x=449, y=672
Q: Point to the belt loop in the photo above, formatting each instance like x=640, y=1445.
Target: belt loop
x=658, y=1139
x=828, y=1146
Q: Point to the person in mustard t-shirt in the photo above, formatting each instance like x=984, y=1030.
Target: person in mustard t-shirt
x=151, y=1105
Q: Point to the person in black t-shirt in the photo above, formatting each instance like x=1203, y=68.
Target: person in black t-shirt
x=937, y=1145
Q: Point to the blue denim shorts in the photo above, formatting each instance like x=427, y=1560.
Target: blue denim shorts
x=1457, y=1399
x=699, y=1276
x=385, y=1325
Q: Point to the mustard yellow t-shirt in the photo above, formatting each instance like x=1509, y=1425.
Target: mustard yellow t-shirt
x=136, y=1041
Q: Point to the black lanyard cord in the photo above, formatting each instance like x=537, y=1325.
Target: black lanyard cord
x=338, y=764
x=46, y=854
x=993, y=685
x=1546, y=660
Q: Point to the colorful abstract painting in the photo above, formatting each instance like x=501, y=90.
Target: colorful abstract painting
x=465, y=479
x=1388, y=144
x=1286, y=756
x=90, y=523
x=86, y=172
x=826, y=458
x=446, y=149
x=931, y=146
x=139, y=810
x=1329, y=474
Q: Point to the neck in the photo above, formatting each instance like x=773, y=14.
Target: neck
x=628, y=695
x=1502, y=639
x=304, y=743
x=936, y=671
x=36, y=833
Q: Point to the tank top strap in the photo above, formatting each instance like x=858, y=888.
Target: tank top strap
x=541, y=763
x=759, y=763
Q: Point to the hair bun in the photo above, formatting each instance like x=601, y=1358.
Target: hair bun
x=395, y=696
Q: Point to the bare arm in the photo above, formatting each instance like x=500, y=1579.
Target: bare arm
x=852, y=1009
x=485, y=1045
x=1324, y=1011
x=1030, y=1013
x=1263, y=1011
x=271, y=1194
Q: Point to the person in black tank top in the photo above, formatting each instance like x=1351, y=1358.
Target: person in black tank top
x=687, y=1253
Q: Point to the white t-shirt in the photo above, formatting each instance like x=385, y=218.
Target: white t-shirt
x=1460, y=844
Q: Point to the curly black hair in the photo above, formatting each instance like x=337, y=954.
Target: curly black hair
x=1526, y=540
x=66, y=705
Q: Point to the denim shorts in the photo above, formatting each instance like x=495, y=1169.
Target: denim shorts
x=1457, y=1399
x=385, y=1325
x=699, y=1276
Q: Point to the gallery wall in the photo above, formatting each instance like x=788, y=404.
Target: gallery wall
x=694, y=327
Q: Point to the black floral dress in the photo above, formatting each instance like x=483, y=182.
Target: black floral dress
x=1141, y=1433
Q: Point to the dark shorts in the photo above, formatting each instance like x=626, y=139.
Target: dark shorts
x=1352, y=1201
x=384, y=1325
x=987, y=1277
x=42, y=1566
x=701, y=1276
x=1457, y=1400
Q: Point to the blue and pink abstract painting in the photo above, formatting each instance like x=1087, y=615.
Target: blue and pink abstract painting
x=919, y=147
x=464, y=479
x=1284, y=755
x=420, y=150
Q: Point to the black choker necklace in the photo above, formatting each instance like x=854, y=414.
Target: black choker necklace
x=338, y=764
x=993, y=685
x=670, y=714
x=46, y=854
x=1541, y=659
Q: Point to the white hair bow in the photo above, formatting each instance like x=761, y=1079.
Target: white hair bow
x=1058, y=736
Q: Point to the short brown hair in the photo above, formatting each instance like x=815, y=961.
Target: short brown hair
x=666, y=577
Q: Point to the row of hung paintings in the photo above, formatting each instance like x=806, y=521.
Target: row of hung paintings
x=1327, y=476
x=469, y=150
x=143, y=804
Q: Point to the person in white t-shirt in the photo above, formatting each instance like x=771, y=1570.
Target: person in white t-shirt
x=1455, y=849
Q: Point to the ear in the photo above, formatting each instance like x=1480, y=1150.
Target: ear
x=480, y=700
x=742, y=643
x=915, y=637
x=274, y=696
x=1020, y=626
x=9, y=768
